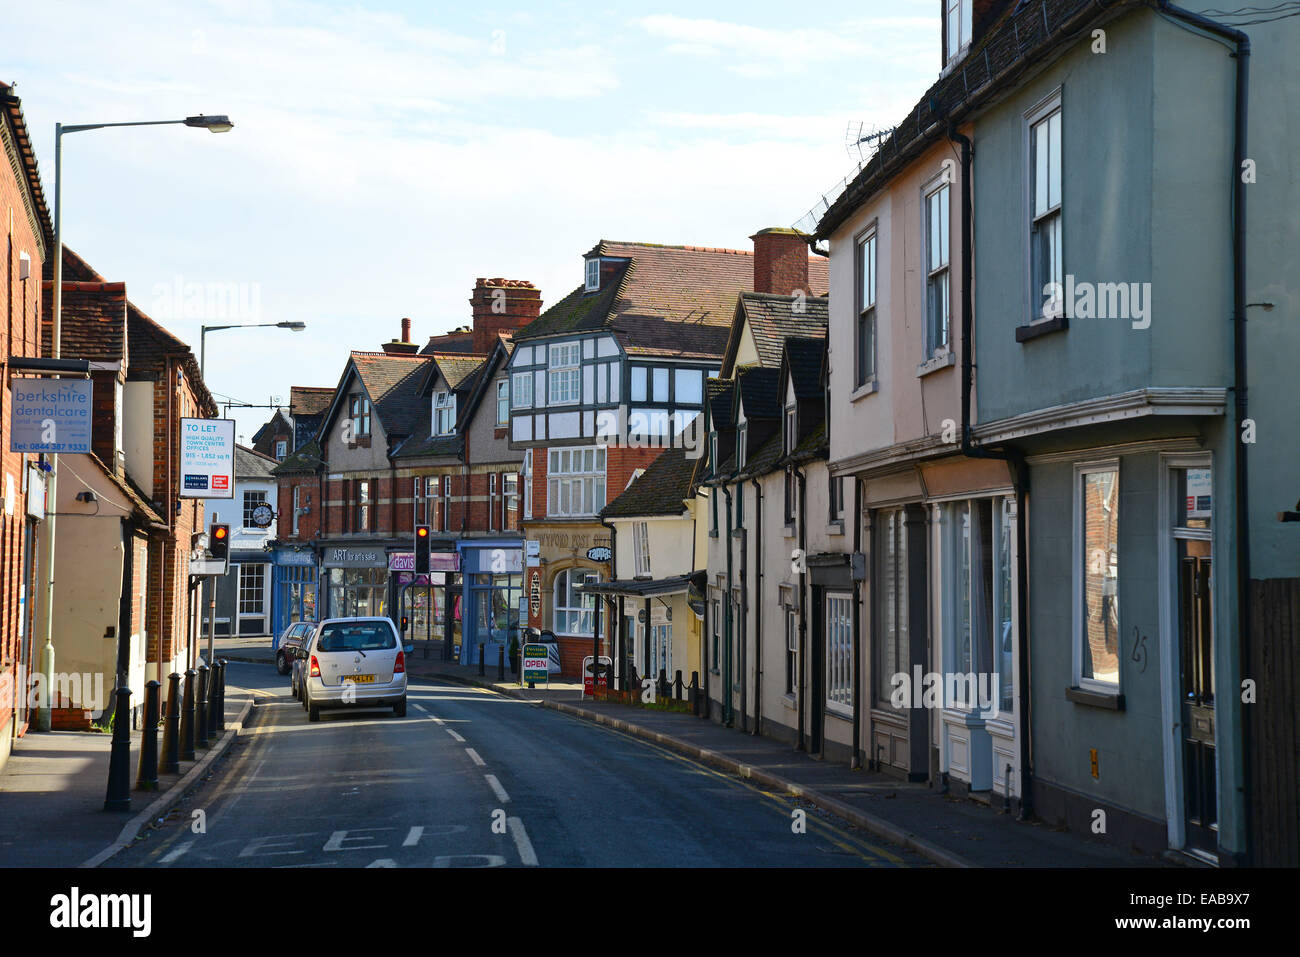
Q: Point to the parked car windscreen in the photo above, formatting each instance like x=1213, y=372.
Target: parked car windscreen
x=357, y=636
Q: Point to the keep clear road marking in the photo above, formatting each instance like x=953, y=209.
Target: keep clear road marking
x=454, y=735
x=522, y=844
x=497, y=789
x=413, y=837
x=474, y=756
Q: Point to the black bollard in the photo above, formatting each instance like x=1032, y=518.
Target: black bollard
x=501, y=663
x=662, y=690
x=677, y=686
x=119, y=762
x=482, y=666
x=171, y=749
x=214, y=699
x=146, y=778
x=201, y=706
x=187, y=717
x=695, y=693
x=219, y=713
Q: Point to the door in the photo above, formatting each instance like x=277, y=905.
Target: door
x=1196, y=659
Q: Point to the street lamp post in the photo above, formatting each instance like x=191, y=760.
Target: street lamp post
x=204, y=330
x=216, y=124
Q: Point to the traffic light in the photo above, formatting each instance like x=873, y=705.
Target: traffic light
x=422, y=549
x=219, y=543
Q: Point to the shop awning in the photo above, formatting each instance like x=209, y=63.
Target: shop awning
x=641, y=587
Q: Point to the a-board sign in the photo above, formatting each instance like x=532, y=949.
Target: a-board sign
x=597, y=677
x=534, y=662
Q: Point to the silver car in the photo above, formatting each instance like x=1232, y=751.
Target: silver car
x=354, y=662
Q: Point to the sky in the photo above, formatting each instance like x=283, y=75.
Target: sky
x=387, y=154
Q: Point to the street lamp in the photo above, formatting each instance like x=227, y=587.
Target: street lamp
x=216, y=124
x=204, y=330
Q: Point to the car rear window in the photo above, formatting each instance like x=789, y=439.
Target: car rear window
x=361, y=636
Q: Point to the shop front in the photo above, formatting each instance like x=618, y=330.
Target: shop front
x=493, y=596
x=431, y=603
x=566, y=553
x=356, y=581
x=294, y=584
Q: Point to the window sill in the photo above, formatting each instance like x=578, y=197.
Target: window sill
x=941, y=361
x=1110, y=701
x=831, y=712
x=713, y=533
x=1045, y=327
x=835, y=528
x=787, y=699
x=790, y=531
x=861, y=392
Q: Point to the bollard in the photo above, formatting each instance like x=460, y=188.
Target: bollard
x=119, y=762
x=482, y=668
x=501, y=663
x=171, y=748
x=219, y=716
x=201, y=708
x=695, y=693
x=187, y=717
x=661, y=690
x=677, y=686
x=214, y=699
x=146, y=778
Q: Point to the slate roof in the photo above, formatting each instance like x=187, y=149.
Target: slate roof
x=666, y=300
x=309, y=399
x=804, y=358
x=305, y=458
x=766, y=459
x=421, y=443
x=661, y=489
x=252, y=464
x=759, y=394
x=458, y=368
x=815, y=445
x=393, y=381
x=773, y=319
x=1020, y=35
x=264, y=438
x=720, y=393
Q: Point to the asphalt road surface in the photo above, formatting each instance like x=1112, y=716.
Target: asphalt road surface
x=471, y=779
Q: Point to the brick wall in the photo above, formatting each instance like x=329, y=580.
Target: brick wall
x=308, y=497
x=395, y=506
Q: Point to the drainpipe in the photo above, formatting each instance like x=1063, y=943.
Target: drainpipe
x=856, y=624
x=742, y=635
x=758, y=619
x=1010, y=454
x=726, y=622
x=1239, y=378
x=803, y=604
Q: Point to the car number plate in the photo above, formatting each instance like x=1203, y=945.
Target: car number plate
x=359, y=679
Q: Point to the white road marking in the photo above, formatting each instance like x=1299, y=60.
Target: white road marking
x=254, y=848
x=335, y=843
x=382, y=862
x=497, y=789
x=474, y=756
x=177, y=853
x=522, y=844
x=462, y=860
x=413, y=837
x=454, y=735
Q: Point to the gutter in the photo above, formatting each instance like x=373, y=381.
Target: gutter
x=1241, y=109
x=1009, y=453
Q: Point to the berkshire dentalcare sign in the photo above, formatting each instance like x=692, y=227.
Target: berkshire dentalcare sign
x=50, y=415
x=207, y=458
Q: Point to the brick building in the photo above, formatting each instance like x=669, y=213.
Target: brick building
x=28, y=239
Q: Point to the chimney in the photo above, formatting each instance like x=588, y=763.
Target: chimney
x=780, y=261
x=403, y=346
x=502, y=305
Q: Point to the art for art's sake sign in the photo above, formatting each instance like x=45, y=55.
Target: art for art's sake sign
x=50, y=415
x=207, y=458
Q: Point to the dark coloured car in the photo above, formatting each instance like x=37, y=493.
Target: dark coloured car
x=285, y=648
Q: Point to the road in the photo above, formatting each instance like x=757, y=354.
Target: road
x=471, y=778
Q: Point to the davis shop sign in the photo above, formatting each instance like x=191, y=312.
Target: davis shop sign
x=207, y=458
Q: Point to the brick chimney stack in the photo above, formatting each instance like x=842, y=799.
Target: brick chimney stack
x=780, y=261
x=403, y=346
x=502, y=305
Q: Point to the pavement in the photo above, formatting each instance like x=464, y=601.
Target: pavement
x=944, y=829
x=53, y=787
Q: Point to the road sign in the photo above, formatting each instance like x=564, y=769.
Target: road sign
x=50, y=415
x=207, y=456
x=535, y=663
x=600, y=679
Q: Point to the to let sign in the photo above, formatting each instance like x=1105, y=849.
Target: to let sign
x=207, y=458
x=50, y=415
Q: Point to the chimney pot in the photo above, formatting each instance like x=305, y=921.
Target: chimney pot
x=780, y=261
x=406, y=330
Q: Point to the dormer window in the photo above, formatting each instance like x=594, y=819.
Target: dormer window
x=956, y=28
x=444, y=413
x=593, y=274
x=791, y=433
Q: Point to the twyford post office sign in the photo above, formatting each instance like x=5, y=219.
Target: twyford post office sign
x=50, y=415
x=207, y=458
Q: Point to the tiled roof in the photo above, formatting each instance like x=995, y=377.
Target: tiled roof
x=305, y=458
x=1024, y=34
x=309, y=399
x=92, y=323
x=815, y=445
x=720, y=394
x=250, y=463
x=772, y=319
x=393, y=383
x=804, y=358
x=421, y=443
x=758, y=392
x=766, y=458
x=458, y=368
x=667, y=300
x=129, y=489
x=13, y=111
x=661, y=489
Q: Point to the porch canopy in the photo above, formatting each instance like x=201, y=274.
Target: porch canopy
x=641, y=587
